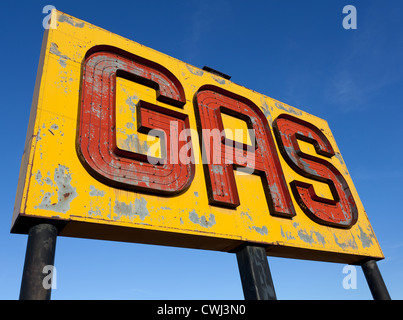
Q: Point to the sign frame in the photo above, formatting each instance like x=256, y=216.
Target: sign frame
x=50, y=191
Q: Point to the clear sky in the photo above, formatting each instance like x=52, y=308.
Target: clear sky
x=294, y=51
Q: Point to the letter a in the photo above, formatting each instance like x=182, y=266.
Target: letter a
x=350, y=280
x=350, y=21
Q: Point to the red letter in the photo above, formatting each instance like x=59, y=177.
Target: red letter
x=96, y=143
x=341, y=211
x=263, y=160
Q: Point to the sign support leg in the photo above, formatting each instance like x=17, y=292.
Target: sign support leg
x=255, y=273
x=40, y=252
x=375, y=280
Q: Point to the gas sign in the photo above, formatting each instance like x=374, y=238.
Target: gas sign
x=125, y=143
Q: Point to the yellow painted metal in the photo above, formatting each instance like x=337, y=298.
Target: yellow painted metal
x=51, y=169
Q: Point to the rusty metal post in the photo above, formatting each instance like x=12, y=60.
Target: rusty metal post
x=375, y=280
x=255, y=273
x=40, y=252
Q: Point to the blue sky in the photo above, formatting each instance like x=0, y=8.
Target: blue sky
x=294, y=51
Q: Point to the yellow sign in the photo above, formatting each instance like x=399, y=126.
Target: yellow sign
x=126, y=143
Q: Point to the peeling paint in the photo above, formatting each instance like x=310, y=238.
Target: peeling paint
x=263, y=230
x=139, y=208
x=304, y=236
x=217, y=79
x=132, y=143
x=95, y=213
x=243, y=213
x=38, y=178
x=62, y=58
x=320, y=237
x=287, y=234
x=289, y=109
x=48, y=181
x=195, y=71
x=38, y=135
x=344, y=245
x=338, y=156
x=266, y=110
x=69, y=20
x=131, y=101
x=65, y=192
x=202, y=220
x=366, y=239
x=96, y=193
x=217, y=169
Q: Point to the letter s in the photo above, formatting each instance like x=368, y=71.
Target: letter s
x=342, y=210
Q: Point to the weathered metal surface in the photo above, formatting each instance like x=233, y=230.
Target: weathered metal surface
x=123, y=138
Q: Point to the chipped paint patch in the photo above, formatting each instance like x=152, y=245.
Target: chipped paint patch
x=319, y=237
x=132, y=143
x=69, y=20
x=65, y=192
x=217, y=79
x=289, y=109
x=344, y=245
x=263, y=230
x=202, y=220
x=217, y=169
x=304, y=236
x=366, y=239
x=38, y=178
x=243, y=213
x=48, y=181
x=95, y=213
x=195, y=71
x=62, y=58
x=339, y=157
x=266, y=110
x=139, y=208
x=96, y=193
x=287, y=234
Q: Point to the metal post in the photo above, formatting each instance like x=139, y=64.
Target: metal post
x=255, y=273
x=40, y=252
x=375, y=280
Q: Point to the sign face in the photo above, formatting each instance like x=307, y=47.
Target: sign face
x=125, y=143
